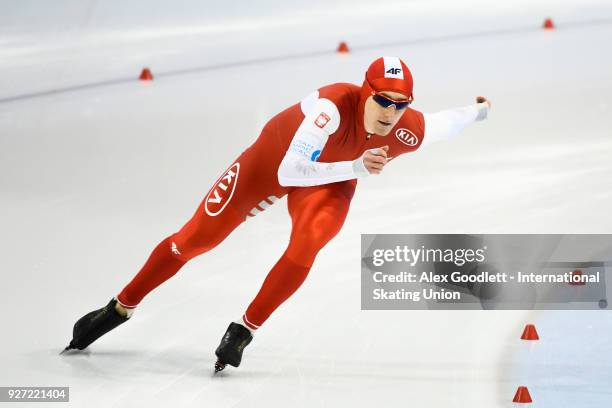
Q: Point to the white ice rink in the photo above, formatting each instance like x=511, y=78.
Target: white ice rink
x=97, y=167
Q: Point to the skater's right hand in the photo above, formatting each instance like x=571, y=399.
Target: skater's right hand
x=375, y=159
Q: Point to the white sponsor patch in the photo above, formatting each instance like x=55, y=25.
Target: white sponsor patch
x=393, y=68
x=222, y=192
x=406, y=137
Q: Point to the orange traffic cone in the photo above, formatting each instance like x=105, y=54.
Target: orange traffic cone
x=530, y=333
x=146, y=75
x=548, y=24
x=577, y=273
x=522, y=395
x=343, y=48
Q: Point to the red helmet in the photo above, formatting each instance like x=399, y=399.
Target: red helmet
x=389, y=74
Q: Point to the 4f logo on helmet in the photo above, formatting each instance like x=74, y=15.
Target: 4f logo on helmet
x=393, y=68
x=322, y=120
x=407, y=137
x=222, y=192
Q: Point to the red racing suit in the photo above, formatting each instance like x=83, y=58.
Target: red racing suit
x=311, y=152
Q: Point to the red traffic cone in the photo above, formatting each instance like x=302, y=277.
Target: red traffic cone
x=530, y=333
x=548, y=24
x=343, y=48
x=522, y=395
x=577, y=273
x=146, y=75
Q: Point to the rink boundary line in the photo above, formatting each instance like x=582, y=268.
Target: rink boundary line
x=289, y=57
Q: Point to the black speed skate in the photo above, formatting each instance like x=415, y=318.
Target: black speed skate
x=95, y=324
x=236, y=338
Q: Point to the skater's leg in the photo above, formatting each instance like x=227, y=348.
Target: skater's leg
x=240, y=189
x=199, y=235
x=317, y=214
x=161, y=266
x=226, y=206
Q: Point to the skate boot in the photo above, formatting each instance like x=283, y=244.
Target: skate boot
x=95, y=324
x=236, y=338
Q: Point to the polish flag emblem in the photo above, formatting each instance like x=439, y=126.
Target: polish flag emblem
x=322, y=120
x=407, y=137
x=223, y=190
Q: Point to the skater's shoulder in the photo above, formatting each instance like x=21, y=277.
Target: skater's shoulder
x=343, y=95
x=413, y=120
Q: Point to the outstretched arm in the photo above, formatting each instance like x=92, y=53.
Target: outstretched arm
x=447, y=124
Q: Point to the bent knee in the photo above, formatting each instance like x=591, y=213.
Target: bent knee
x=311, y=238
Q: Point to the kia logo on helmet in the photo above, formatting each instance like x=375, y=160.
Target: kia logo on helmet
x=407, y=137
x=223, y=190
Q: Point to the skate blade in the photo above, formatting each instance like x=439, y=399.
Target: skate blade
x=219, y=366
x=72, y=349
x=68, y=348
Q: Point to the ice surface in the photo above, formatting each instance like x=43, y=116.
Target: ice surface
x=96, y=168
